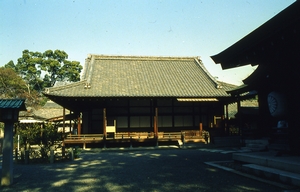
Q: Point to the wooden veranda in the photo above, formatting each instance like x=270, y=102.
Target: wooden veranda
x=135, y=138
x=111, y=137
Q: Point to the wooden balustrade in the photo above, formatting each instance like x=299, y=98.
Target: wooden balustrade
x=136, y=136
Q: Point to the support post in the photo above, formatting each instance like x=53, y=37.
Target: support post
x=9, y=113
x=71, y=153
x=104, y=121
x=104, y=127
x=71, y=128
x=22, y=154
x=226, y=120
x=63, y=147
x=130, y=142
x=16, y=155
x=201, y=129
x=79, y=125
x=64, y=119
x=51, y=155
x=7, y=161
x=156, y=115
x=26, y=156
x=183, y=139
x=156, y=126
x=239, y=112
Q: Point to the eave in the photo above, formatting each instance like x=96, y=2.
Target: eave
x=265, y=42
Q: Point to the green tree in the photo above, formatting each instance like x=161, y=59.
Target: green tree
x=11, y=85
x=58, y=68
x=11, y=65
x=28, y=68
x=53, y=65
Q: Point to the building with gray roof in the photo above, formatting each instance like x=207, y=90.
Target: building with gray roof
x=132, y=90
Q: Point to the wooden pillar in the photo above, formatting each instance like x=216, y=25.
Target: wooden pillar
x=104, y=122
x=226, y=119
x=239, y=114
x=70, y=126
x=201, y=128
x=7, y=161
x=239, y=117
x=104, y=127
x=151, y=112
x=173, y=116
x=154, y=126
x=128, y=118
x=79, y=125
x=156, y=122
x=63, y=148
x=64, y=120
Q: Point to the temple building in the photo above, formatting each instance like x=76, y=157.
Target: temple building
x=144, y=94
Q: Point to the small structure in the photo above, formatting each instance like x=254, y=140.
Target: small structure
x=9, y=114
x=50, y=112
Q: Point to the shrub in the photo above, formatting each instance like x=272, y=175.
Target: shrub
x=45, y=135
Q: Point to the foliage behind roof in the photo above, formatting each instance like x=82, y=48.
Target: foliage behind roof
x=133, y=76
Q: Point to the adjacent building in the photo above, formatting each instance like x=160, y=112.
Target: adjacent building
x=274, y=47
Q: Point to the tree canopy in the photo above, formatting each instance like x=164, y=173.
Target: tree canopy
x=40, y=70
x=13, y=86
x=58, y=68
x=33, y=72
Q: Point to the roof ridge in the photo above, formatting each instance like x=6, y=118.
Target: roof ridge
x=86, y=67
x=90, y=72
x=129, y=57
x=58, y=88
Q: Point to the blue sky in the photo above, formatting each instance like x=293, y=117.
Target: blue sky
x=133, y=27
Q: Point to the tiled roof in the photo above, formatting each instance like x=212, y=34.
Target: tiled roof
x=128, y=76
x=49, y=110
x=12, y=104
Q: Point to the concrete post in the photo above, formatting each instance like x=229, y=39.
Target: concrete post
x=63, y=150
x=183, y=139
x=26, y=156
x=16, y=155
x=71, y=152
x=51, y=155
x=22, y=154
x=7, y=161
x=130, y=142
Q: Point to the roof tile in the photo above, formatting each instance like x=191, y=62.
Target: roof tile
x=128, y=76
x=12, y=104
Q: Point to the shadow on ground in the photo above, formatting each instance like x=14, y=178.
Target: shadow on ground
x=153, y=170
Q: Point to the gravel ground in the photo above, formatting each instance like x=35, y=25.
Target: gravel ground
x=142, y=170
